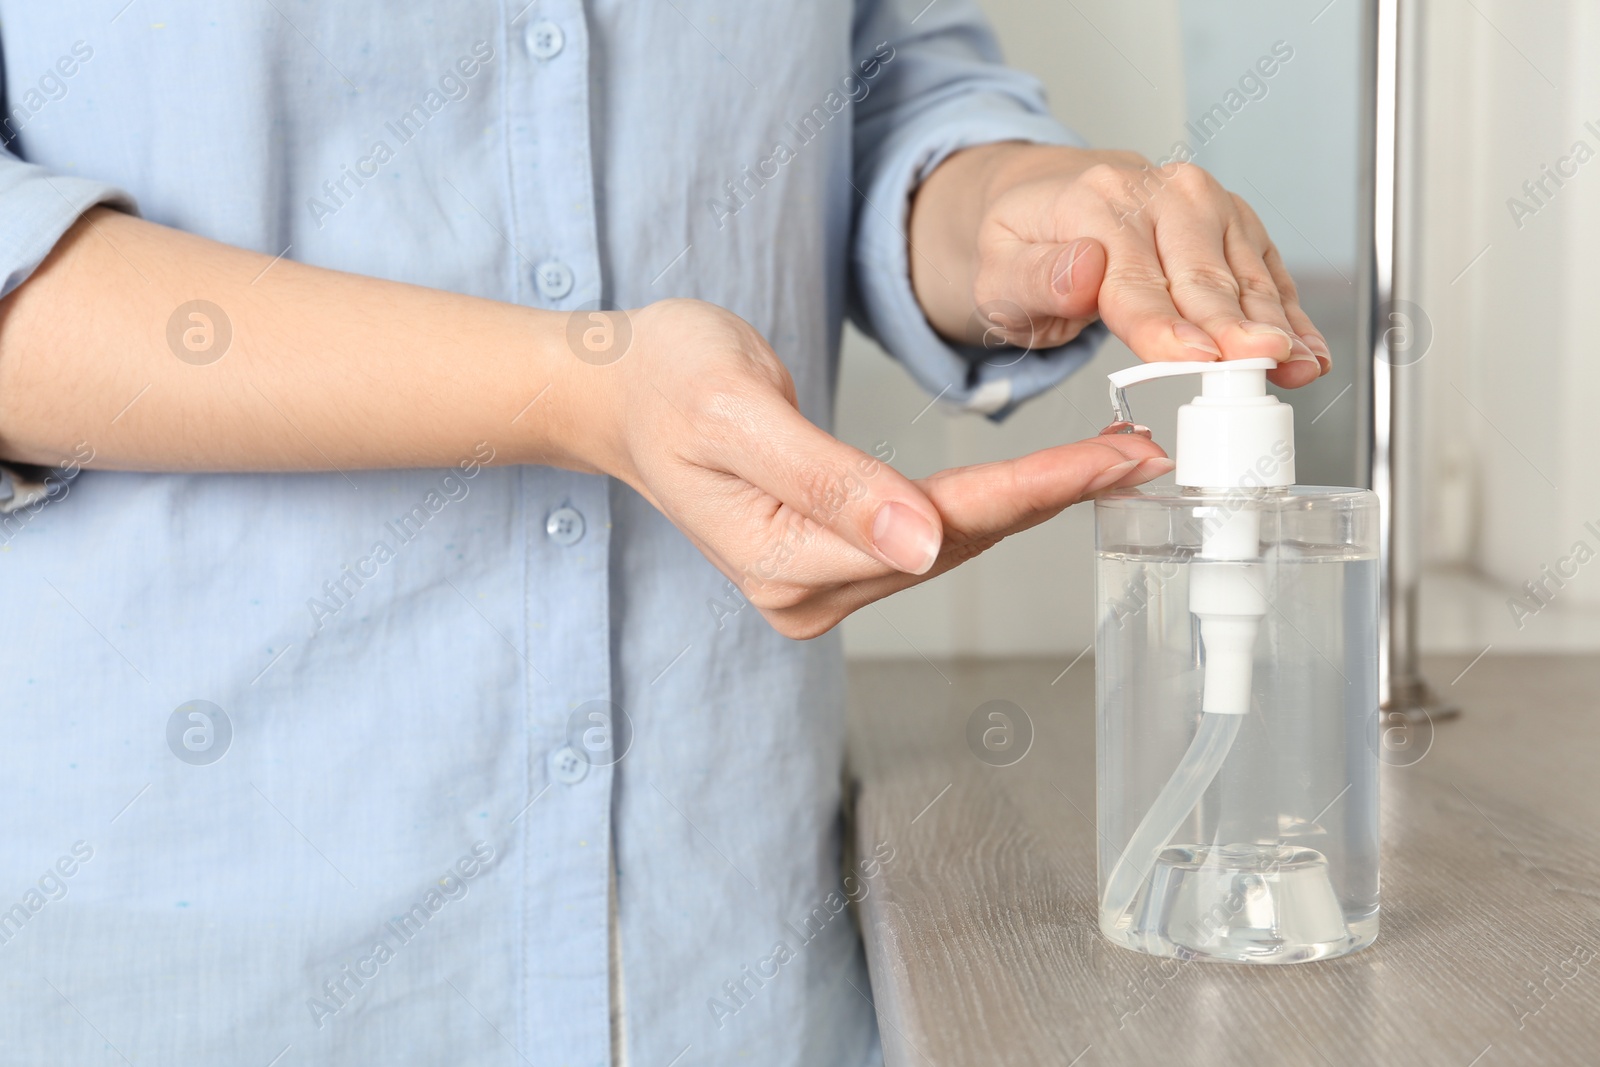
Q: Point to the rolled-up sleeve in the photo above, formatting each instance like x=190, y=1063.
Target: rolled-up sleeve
x=940, y=86
x=37, y=206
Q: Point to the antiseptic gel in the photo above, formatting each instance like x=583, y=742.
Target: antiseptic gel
x=1237, y=694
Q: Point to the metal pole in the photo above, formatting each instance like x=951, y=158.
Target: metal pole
x=1396, y=329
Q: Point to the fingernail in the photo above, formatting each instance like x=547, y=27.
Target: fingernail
x=1262, y=329
x=1320, y=347
x=1300, y=352
x=1111, y=475
x=1155, y=467
x=1191, y=336
x=905, y=538
x=1066, y=265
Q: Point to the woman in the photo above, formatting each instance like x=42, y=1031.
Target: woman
x=410, y=675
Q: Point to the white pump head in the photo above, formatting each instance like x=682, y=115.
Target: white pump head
x=1233, y=435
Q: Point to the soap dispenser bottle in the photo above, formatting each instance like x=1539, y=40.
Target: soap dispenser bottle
x=1236, y=660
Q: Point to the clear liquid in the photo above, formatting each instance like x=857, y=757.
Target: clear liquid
x=1278, y=862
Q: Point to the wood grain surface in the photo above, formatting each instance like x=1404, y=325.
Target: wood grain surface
x=981, y=934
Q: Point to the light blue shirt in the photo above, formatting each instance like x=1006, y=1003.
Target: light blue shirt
x=386, y=833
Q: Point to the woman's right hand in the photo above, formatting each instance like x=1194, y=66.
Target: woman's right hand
x=703, y=424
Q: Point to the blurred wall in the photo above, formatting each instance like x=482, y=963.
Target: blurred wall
x=1511, y=215
x=1289, y=149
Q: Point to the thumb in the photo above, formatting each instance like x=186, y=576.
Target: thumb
x=995, y=500
x=1045, y=280
x=858, y=497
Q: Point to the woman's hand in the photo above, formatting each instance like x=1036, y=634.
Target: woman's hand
x=1034, y=242
x=704, y=425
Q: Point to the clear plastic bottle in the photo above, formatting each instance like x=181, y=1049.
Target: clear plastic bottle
x=1237, y=698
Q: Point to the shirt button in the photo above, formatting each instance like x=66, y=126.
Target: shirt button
x=544, y=39
x=567, y=766
x=553, y=278
x=565, y=526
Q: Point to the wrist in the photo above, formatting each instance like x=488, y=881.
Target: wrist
x=573, y=418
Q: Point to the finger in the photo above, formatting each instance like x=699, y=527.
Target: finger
x=1298, y=319
x=1269, y=293
x=1192, y=240
x=867, y=503
x=1044, y=280
x=982, y=504
x=1001, y=323
x=994, y=500
x=1122, y=426
x=806, y=571
x=1258, y=294
x=1136, y=305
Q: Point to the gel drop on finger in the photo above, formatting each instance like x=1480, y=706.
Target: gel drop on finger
x=1236, y=691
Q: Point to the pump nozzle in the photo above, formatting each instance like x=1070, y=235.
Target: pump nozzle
x=1233, y=435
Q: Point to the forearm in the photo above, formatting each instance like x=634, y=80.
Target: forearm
x=324, y=369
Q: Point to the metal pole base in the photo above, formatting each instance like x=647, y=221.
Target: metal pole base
x=1414, y=700
x=1407, y=722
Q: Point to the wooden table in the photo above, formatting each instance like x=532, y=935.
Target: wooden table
x=981, y=933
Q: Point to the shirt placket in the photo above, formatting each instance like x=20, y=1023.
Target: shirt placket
x=565, y=830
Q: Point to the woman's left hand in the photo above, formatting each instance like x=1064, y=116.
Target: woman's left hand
x=1030, y=243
